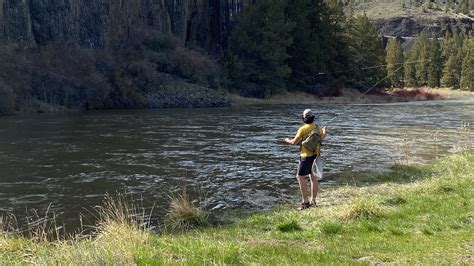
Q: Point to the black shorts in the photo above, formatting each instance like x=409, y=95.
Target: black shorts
x=306, y=163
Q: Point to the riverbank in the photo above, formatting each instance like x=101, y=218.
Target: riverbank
x=413, y=214
x=349, y=95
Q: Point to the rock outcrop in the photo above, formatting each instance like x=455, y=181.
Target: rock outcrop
x=412, y=27
x=103, y=23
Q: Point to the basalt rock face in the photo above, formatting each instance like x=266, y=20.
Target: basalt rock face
x=412, y=27
x=105, y=23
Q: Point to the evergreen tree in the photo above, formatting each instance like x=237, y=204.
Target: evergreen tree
x=410, y=70
x=258, y=47
x=366, y=51
x=338, y=36
x=435, y=64
x=307, y=57
x=467, y=72
x=421, y=66
x=447, y=46
x=395, y=61
x=449, y=79
x=459, y=56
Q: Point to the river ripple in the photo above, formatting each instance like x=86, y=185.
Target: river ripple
x=234, y=157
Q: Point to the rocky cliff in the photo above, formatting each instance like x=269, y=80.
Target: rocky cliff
x=104, y=23
x=412, y=27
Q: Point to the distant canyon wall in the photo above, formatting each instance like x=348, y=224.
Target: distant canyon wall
x=203, y=23
x=412, y=27
x=105, y=23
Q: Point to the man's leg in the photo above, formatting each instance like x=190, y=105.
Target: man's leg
x=304, y=192
x=314, y=188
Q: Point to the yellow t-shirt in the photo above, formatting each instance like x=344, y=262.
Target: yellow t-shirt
x=302, y=134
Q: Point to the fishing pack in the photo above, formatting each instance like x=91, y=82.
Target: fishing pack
x=313, y=141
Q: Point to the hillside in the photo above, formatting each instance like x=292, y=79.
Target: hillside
x=76, y=55
x=386, y=9
x=407, y=18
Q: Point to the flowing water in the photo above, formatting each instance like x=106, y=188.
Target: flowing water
x=231, y=157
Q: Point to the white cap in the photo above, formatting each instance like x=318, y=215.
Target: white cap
x=308, y=113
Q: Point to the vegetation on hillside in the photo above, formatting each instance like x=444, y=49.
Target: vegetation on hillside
x=433, y=63
x=319, y=49
x=410, y=215
x=323, y=49
x=64, y=76
x=276, y=46
x=377, y=8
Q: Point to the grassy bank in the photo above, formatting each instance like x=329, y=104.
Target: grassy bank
x=354, y=96
x=413, y=214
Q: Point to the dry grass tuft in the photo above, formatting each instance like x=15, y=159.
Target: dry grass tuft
x=121, y=210
x=183, y=213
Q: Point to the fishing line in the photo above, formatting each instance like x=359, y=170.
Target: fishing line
x=363, y=68
x=376, y=84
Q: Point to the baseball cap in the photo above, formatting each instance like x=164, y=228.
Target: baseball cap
x=308, y=113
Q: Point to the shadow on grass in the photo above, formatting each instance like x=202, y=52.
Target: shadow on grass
x=400, y=174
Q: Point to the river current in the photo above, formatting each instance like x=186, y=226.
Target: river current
x=228, y=157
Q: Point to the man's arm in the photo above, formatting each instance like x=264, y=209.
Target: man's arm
x=297, y=139
x=294, y=141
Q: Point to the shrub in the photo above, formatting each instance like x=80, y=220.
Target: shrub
x=194, y=66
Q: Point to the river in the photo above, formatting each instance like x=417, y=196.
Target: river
x=229, y=157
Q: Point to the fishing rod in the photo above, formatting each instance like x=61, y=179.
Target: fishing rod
x=375, y=85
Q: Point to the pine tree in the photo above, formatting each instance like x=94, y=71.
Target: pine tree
x=459, y=56
x=338, y=36
x=258, y=48
x=467, y=72
x=435, y=64
x=449, y=79
x=314, y=41
x=421, y=66
x=410, y=62
x=395, y=61
x=366, y=51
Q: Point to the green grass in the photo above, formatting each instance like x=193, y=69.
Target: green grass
x=427, y=218
x=289, y=226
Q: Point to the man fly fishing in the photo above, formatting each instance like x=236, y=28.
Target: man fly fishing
x=309, y=137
